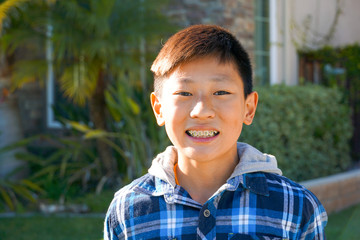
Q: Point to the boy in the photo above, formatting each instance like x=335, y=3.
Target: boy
x=207, y=185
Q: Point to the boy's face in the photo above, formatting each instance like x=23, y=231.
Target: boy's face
x=203, y=108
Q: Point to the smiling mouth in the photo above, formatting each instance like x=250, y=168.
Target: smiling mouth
x=202, y=134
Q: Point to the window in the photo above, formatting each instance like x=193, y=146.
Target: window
x=50, y=83
x=57, y=106
x=262, y=49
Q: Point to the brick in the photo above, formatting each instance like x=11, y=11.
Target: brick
x=332, y=205
x=348, y=186
x=351, y=199
x=327, y=191
x=338, y=191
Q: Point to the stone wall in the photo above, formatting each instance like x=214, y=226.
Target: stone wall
x=10, y=128
x=336, y=192
x=235, y=15
x=29, y=101
x=32, y=108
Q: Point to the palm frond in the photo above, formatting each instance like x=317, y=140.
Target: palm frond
x=28, y=71
x=88, y=37
x=25, y=189
x=79, y=81
x=21, y=37
x=6, y=6
x=5, y=196
x=21, y=143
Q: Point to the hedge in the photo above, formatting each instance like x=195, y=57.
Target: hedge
x=307, y=128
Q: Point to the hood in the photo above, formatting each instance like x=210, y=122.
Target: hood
x=250, y=160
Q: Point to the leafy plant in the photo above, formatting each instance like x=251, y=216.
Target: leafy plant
x=12, y=192
x=65, y=168
x=69, y=165
x=135, y=137
x=133, y=116
x=92, y=43
x=347, y=59
x=307, y=128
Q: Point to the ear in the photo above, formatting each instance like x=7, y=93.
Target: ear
x=250, y=107
x=156, y=106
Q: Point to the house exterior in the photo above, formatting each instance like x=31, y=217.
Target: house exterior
x=10, y=128
x=271, y=31
x=307, y=24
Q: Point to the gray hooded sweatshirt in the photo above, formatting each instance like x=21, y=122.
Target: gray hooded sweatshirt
x=250, y=160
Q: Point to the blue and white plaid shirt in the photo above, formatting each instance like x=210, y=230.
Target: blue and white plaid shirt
x=250, y=205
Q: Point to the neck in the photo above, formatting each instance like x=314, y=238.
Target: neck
x=202, y=179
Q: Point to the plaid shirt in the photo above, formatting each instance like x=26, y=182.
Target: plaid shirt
x=255, y=205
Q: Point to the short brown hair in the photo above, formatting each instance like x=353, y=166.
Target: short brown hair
x=199, y=41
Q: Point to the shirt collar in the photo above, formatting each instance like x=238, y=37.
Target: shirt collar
x=254, y=182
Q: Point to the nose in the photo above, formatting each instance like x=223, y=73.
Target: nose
x=202, y=109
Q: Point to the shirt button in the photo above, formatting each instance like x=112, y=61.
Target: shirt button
x=207, y=213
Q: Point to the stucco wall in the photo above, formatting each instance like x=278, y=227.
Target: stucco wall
x=322, y=13
x=305, y=23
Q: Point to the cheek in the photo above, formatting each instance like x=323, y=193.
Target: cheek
x=232, y=110
x=233, y=116
x=173, y=114
x=176, y=108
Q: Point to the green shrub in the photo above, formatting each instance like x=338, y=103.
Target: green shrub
x=307, y=128
x=329, y=60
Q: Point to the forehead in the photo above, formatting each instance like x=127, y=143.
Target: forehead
x=206, y=68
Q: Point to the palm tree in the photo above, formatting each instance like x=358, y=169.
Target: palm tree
x=91, y=41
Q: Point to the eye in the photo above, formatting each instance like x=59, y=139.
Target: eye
x=185, y=94
x=221, y=93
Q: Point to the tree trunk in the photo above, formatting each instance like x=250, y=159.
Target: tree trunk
x=98, y=117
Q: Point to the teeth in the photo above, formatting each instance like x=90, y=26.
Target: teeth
x=202, y=134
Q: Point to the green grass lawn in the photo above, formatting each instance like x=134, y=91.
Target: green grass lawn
x=51, y=228
x=344, y=225
x=341, y=226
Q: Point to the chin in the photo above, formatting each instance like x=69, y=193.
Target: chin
x=198, y=155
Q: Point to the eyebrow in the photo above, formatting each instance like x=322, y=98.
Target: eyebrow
x=216, y=78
